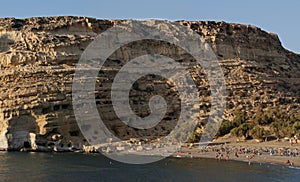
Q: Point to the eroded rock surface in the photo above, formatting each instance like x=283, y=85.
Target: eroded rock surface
x=38, y=58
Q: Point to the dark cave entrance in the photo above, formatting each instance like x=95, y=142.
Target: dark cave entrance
x=27, y=145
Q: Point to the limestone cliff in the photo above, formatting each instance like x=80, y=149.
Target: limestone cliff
x=38, y=57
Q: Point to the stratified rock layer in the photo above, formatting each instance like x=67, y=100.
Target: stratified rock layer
x=38, y=58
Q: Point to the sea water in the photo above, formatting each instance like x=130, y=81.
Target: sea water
x=18, y=166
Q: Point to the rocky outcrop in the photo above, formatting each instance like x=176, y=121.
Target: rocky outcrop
x=38, y=57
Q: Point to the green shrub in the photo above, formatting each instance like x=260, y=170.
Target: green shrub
x=194, y=137
x=281, y=122
x=269, y=116
x=226, y=127
x=296, y=127
x=257, y=132
x=242, y=130
x=276, y=128
x=239, y=117
x=262, y=118
x=287, y=128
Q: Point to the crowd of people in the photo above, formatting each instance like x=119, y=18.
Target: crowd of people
x=231, y=152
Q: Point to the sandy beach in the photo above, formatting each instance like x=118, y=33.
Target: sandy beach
x=275, y=152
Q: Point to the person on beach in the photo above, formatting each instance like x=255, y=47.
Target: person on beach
x=226, y=155
x=219, y=156
x=288, y=162
x=249, y=158
x=236, y=155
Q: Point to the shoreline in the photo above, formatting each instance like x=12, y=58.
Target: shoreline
x=272, y=152
x=245, y=162
x=278, y=153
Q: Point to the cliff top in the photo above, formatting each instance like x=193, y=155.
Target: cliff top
x=213, y=32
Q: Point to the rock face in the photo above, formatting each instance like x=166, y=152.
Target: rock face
x=38, y=58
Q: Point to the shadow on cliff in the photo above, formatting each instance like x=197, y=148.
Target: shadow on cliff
x=21, y=132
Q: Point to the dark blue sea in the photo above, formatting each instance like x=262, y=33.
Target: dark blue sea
x=18, y=166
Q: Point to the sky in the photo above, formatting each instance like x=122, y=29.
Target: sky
x=276, y=16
